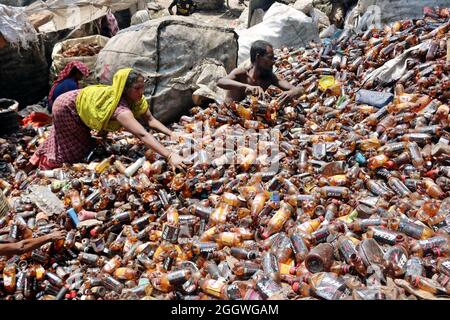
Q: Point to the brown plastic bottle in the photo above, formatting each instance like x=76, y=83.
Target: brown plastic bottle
x=415, y=230
x=162, y=283
x=220, y=214
x=112, y=264
x=125, y=273
x=347, y=249
x=329, y=286
x=421, y=247
x=414, y=268
x=443, y=266
x=401, y=159
x=299, y=247
x=245, y=268
x=378, y=161
x=9, y=278
x=363, y=224
x=310, y=226
x=215, y=288
x=258, y=203
x=398, y=186
x=429, y=285
x=75, y=200
x=340, y=268
x=277, y=221
x=230, y=239
x=320, y=258
x=270, y=266
x=283, y=249
x=335, y=192
x=432, y=189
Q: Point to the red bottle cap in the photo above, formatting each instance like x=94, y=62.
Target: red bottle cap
x=390, y=164
x=432, y=173
x=292, y=270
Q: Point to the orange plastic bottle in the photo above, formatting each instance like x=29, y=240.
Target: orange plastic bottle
x=277, y=221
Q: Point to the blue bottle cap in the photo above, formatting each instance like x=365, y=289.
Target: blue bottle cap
x=74, y=216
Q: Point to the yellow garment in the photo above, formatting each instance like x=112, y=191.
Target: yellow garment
x=96, y=104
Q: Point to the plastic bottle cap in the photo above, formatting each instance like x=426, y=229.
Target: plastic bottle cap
x=292, y=270
x=390, y=164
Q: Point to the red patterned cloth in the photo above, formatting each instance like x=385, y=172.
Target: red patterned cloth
x=70, y=140
x=65, y=73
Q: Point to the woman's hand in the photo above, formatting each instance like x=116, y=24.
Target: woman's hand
x=255, y=91
x=176, y=162
x=174, y=136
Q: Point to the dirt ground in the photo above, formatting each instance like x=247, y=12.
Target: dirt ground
x=226, y=17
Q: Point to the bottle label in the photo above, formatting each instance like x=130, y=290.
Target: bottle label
x=168, y=262
x=8, y=280
x=89, y=258
x=321, y=234
x=411, y=229
x=112, y=283
x=214, y=288
x=431, y=243
x=385, y=236
x=333, y=193
x=370, y=222
x=445, y=266
x=228, y=238
x=267, y=287
x=332, y=289
x=170, y=233
x=233, y=292
x=270, y=263
x=176, y=276
x=399, y=189
x=414, y=267
x=398, y=258
x=250, y=270
x=207, y=247
x=298, y=244
x=347, y=249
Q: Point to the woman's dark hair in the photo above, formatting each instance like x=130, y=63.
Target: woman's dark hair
x=258, y=47
x=132, y=78
x=74, y=72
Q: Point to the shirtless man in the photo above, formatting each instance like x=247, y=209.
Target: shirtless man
x=258, y=77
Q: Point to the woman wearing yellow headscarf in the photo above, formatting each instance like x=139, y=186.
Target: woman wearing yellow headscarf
x=101, y=108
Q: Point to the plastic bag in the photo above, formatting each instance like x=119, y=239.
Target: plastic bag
x=374, y=98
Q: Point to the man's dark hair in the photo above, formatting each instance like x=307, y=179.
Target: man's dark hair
x=258, y=47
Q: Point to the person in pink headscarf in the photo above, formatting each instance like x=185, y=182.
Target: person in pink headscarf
x=67, y=80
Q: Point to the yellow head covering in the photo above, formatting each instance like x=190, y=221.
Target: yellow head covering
x=96, y=104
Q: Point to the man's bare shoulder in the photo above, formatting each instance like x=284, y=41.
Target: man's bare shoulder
x=239, y=71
